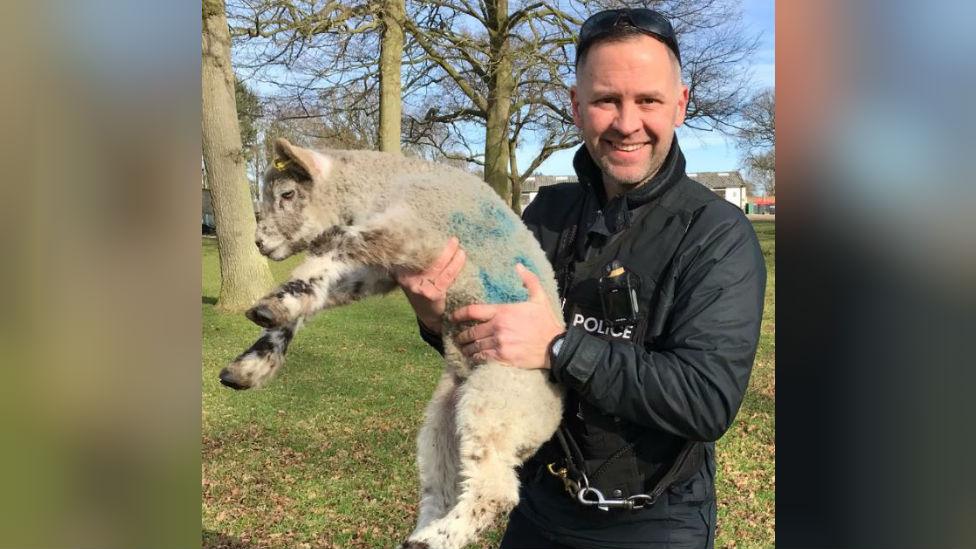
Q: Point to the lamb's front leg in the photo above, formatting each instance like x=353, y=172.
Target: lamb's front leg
x=258, y=364
x=321, y=282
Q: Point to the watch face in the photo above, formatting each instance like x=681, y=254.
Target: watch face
x=557, y=345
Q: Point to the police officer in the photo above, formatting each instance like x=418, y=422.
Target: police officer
x=662, y=283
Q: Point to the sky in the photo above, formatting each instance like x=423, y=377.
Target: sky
x=704, y=151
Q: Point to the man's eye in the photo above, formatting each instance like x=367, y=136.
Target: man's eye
x=288, y=195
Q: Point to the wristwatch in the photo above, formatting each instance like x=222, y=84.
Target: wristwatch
x=554, y=346
x=557, y=343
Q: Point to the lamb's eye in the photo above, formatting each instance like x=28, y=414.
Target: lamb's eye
x=288, y=195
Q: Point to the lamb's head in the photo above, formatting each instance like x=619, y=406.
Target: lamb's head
x=297, y=202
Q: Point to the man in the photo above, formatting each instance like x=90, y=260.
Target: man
x=663, y=285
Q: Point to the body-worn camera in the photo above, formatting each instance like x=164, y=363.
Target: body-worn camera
x=619, y=289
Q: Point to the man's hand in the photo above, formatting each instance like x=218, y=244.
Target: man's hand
x=427, y=290
x=516, y=334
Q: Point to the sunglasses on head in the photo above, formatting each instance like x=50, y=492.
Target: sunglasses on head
x=645, y=20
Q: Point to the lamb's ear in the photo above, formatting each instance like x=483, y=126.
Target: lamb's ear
x=313, y=164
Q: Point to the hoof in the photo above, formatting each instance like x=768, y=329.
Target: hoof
x=227, y=379
x=262, y=316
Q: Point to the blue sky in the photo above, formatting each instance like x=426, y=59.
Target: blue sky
x=704, y=151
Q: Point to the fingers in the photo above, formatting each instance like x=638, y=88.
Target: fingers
x=450, y=272
x=482, y=346
x=531, y=283
x=485, y=356
x=447, y=254
x=479, y=344
x=474, y=333
x=436, y=278
x=475, y=313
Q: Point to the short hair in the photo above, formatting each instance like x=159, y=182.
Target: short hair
x=623, y=33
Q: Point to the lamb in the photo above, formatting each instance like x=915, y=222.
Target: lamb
x=362, y=216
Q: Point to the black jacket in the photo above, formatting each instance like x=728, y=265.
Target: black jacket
x=681, y=378
x=702, y=288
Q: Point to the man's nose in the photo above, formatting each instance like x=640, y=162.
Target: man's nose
x=627, y=120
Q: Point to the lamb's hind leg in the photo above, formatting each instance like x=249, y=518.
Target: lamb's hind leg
x=437, y=454
x=492, y=444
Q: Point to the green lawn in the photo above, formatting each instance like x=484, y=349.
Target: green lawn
x=324, y=457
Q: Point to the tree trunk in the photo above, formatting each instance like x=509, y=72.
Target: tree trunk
x=515, y=178
x=391, y=54
x=244, y=273
x=501, y=86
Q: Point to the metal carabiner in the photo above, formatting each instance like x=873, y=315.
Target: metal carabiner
x=600, y=502
x=640, y=501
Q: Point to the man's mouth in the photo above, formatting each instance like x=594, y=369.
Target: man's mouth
x=625, y=147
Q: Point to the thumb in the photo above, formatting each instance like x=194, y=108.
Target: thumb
x=531, y=283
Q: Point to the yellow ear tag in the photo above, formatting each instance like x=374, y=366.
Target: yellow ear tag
x=281, y=164
x=616, y=272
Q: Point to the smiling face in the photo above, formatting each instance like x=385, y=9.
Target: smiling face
x=627, y=101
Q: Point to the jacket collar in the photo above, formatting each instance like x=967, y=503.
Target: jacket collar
x=616, y=214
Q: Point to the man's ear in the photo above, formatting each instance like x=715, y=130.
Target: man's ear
x=574, y=102
x=682, y=106
x=309, y=162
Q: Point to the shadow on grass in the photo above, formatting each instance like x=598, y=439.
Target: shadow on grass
x=216, y=540
x=207, y=300
x=760, y=401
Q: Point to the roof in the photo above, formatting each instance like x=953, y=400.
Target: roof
x=718, y=180
x=712, y=180
x=534, y=182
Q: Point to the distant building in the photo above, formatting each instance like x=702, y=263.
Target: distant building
x=728, y=185
x=208, y=213
x=762, y=205
x=209, y=222
x=531, y=185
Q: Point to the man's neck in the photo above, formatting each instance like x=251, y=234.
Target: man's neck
x=613, y=189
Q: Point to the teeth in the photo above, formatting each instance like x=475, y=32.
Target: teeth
x=628, y=148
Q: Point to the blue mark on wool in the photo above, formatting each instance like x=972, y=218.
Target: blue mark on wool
x=506, y=286
x=480, y=232
x=493, y=224
x=499, y=218
x=502, y=287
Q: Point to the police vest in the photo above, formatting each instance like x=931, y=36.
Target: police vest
x=621, y=459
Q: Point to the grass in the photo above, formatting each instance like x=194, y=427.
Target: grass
x=324, y=457
x=746, y=479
